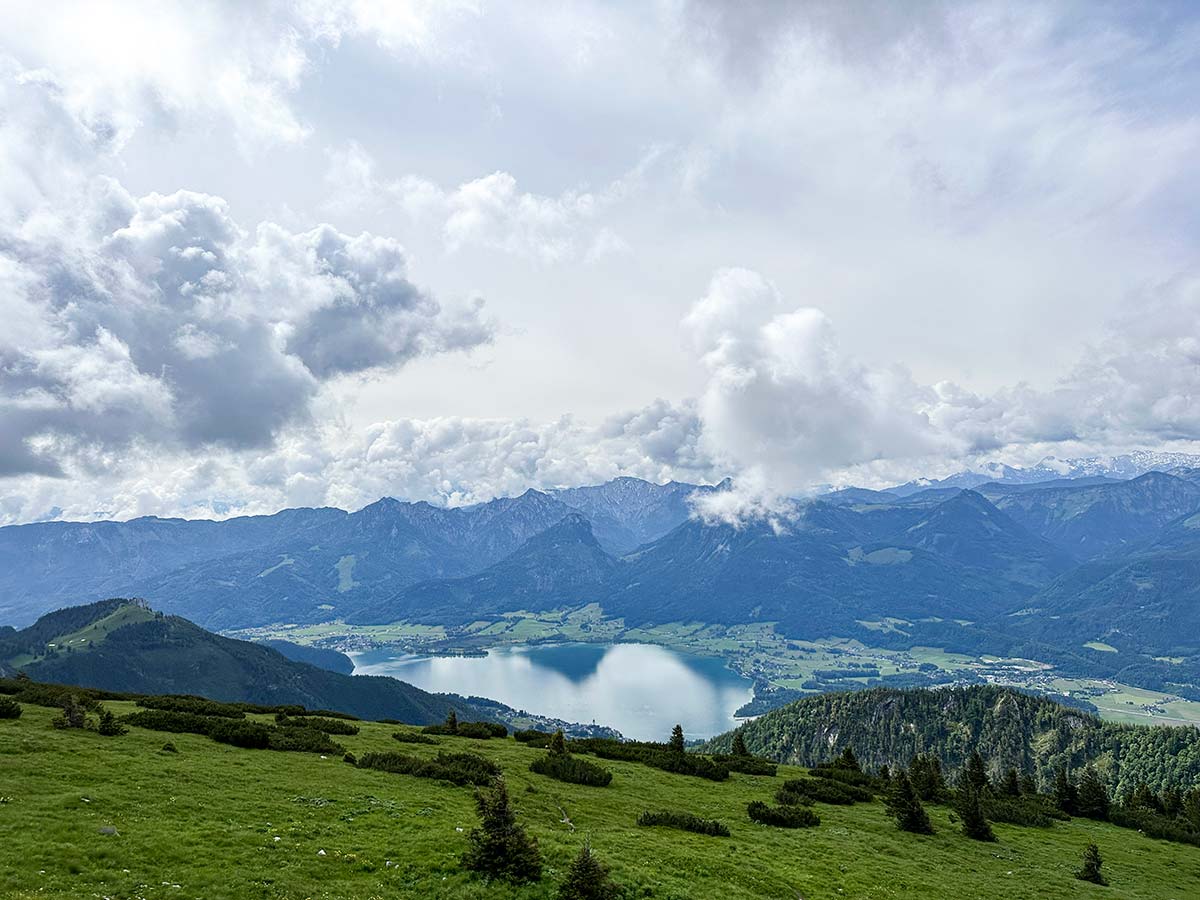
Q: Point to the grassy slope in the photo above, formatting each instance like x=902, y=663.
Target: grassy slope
x=206, y=820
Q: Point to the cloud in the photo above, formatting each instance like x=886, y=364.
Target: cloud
x=180, y=327
x=490, y=212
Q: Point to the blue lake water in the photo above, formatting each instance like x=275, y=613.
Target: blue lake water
x=642, y=690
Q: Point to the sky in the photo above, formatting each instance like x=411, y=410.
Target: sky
x=261, y=255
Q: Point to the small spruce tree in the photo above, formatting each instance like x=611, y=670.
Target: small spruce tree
x=970, y=811
x=73, y=715
x=739, y=745
x=677, y=745
x=1028, y=785
x=885, y=773
x=1090, y=870
x=1093, y=802
x=904, y=805
x=499, y=847
x=976, y=772
x=1011, y=785
x=848, y=760
x=587, y=879
x=558, y=743
x=452, y=722
x=925, y=772
x=1066, y=795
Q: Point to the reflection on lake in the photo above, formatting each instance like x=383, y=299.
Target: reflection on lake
x=639, y=689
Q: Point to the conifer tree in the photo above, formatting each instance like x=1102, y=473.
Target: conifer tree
x=1090, y=870
x=109, y=725
x=970, y=811
x=925, y=772
x=499, y=847
x=677, y=745
x=976, y=772
x=906, y=808
x=848, y=760
x=1011, y=785
x=1092, y=802
x=739, y=745
x=885, y=773
x=587, y=879
x=558, y=743
x=1144, y=798
x=1191, y=807
x=1066, y=795
x=1028, y=785
x=73, y=715
x=452, y=722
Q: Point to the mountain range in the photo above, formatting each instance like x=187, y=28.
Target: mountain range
x=1016, y=565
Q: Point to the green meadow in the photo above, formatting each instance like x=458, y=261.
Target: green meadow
x=83, y=815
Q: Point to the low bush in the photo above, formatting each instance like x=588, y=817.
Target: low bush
x=196, y=705
x=533, y=737
x=9, y=708
x=170, y=720
x=834, y=772
x=331, y=714
x=457, y=768
x=571, y=769
x=782, y=816
x=666, y=818
x=168, y=747
x=821, y=790
x=109, y=725
x=411, y=737
x=1037, y=812
x=658, y=756
x=479, y=730
x=316, y=723
x=1155, y=825
x=302, y=740
x=239, y=733
x=350, y=758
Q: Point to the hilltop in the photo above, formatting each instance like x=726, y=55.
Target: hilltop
x=87, y=815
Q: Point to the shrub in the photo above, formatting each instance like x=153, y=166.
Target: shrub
x=169, y=720
x=457, y=768
x=782, y=816
x=481, y=730
x=533, y=737
x=666, y=818
x=587, y=879
x=196, y=705
x=110, y=725
x=250, y=735
x=832, y=772
x=571, y=769
x=499, y=847
x=73, y=715
x=168, y=747
x=1090, y=870
x=316, y=723
x=1034, y=811
x=9, y=708
x=1156, y=825
x=658, y=756
x=331, y=714
x=821, y=790
x=301, y=740
x=411, y=737
x=350, y=758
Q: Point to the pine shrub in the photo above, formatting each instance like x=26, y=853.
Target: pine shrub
x=1090, y=870
x=904, y=805
x=587, y=879
x=457, y=768
x=571, y=769
x=821, y=790
x=666, y=818
x=9, y=708
x=316, y=723
x=782, y=816
x=533, y=737
x=109, y=725
x=197, y=705
x=73, y=715
x=499, y=848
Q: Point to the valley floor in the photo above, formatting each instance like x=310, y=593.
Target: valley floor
x=755, y=651
x=214, y=821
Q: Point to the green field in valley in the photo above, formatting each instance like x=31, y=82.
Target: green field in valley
x=215, y=821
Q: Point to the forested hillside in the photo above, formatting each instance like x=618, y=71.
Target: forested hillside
x=1009, y=729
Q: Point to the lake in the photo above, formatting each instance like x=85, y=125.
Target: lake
x=642, y=690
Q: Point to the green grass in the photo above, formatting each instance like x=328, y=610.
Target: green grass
x=203, y=823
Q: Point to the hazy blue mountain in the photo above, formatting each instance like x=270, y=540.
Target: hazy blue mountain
x=564, y=566
x=1092, y=520
x=628, y=512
